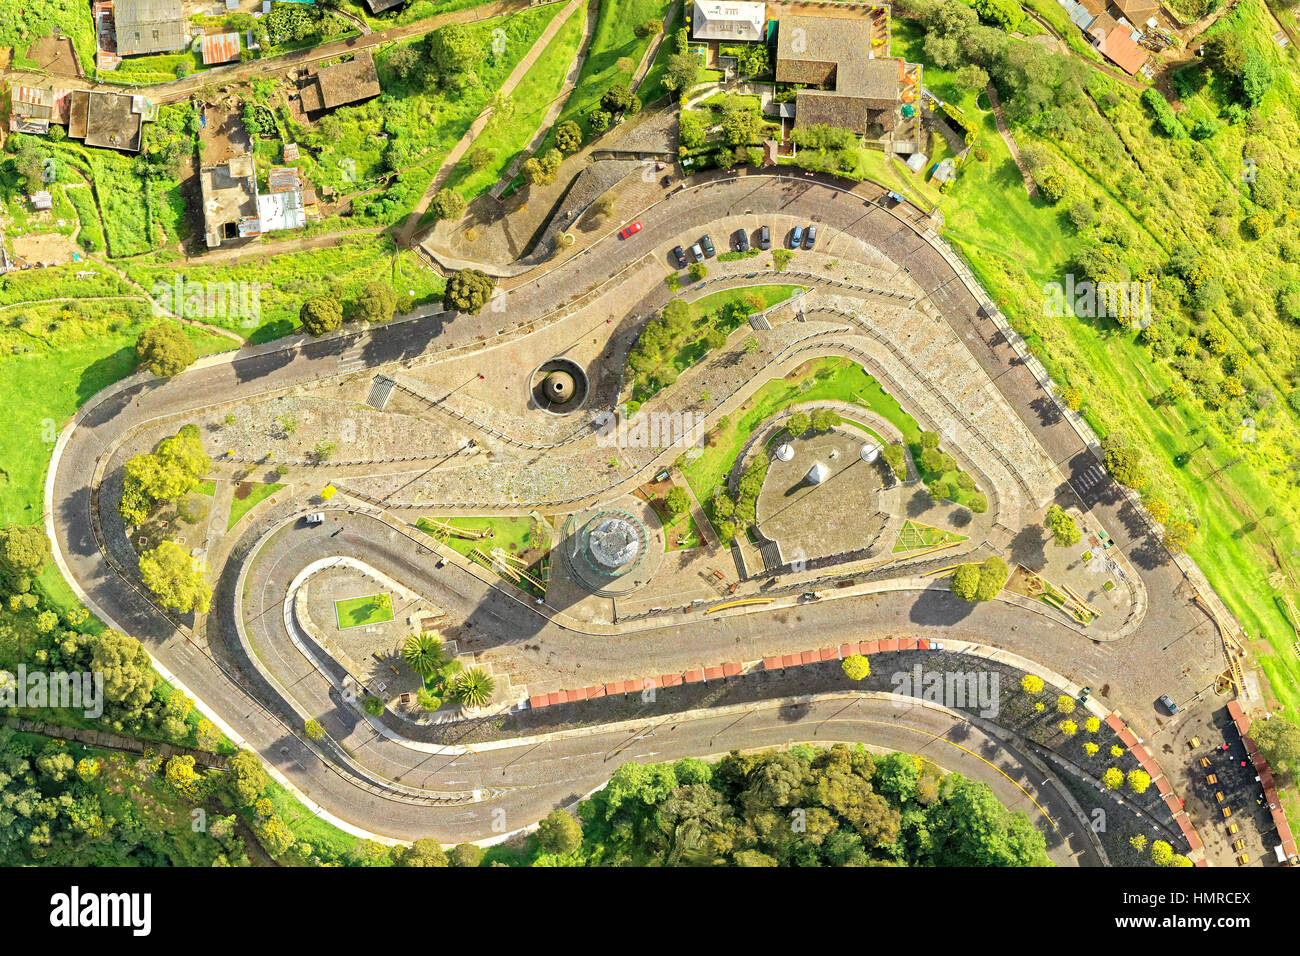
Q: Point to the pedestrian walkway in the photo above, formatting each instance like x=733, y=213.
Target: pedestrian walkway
x=521, y=69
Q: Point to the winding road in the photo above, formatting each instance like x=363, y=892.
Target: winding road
x=1167, y=653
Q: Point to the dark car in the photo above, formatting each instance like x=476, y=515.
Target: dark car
x=742, y=241
x=810, y=238
x=1169, y=704
x=679, y=256
x=796, y=237
x=764, y=238
x=707, y=243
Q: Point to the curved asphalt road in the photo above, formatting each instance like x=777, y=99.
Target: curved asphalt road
x=1130, y=674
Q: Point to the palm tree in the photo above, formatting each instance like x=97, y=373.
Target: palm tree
x=423, y=653
x=474, y=687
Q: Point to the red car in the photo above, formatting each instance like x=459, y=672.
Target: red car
x=628, y=231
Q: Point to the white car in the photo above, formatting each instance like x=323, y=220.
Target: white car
x=316, y=517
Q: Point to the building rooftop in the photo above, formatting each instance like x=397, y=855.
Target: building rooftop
x=341, y=83
x=230, y=208
x=835, y=52
x=113, y=121
x=1122, y=49
x=220, y=48
x=728, y=21
x=149, y=26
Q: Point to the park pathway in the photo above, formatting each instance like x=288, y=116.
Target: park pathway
x=998, y=117
x=557, y=104
x=521, y=69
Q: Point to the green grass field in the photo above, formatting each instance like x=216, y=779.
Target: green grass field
x=361, y=611
x=514, y=535
x=915, y=536
x=239, y=507
x=516, y=120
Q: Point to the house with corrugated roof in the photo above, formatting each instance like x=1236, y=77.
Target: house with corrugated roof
x=339, y=84
x=149, y=26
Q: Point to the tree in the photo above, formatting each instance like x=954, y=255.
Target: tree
x=980, y=582
x=698, y=271
x=448, y=204
x=542, y=170
x=320, y=314
x=1225, y=53
x=165, y=349
x=677, y=501
x=468, y=291
x=559, y=833
x=129, y=677
x=1113, y=778
x=1065, y=531
x=681, y=73
x=599, y=120
x=648, y=28
x=246, y=778
x=24, y=550
x=1124, y=462
x=798, y=423
x=177, y=579
x=466, y=855
x=425, y=852
x=619, y=99
x=1065, y=704
x=824, y=419
x=424, y=653
x=313, y=729
x=1068, y=727
x=1178, y=535
x=474, y=687
x=1139, y=780
x=1162, y=854
x=741, y=126
x=568, y=137
x=856, y=666
x=1031, y=684
x=453, y=51
x=376, y=302
x=1279, y=742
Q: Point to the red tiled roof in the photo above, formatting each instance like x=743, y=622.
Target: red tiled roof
x=1127, y=739
x=596, y=690
x=577, y=694
x=713, y=673
x=848, y=649
x=671, y=680
x=615, y=688
x=1114, y=723
x=790, y=660
x=871, y=647
x=696, y=676
x=1120, y=48
x=772, y=663
x=809, y=657
x=889, y=645
x=539, y=700
x=1140, y=753
x=908, y=644
x=830, y=653
x=1162, y=786
x=732, y=670
x=923, y=644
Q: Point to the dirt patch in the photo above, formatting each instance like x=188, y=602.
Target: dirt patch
x=243, y=490
x=223, y=135
x=47, y=248
x=55, y=56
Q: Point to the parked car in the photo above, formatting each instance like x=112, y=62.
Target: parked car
x=679, y=256
x=796, y=237
x=765, y=238
x=628, y=231
x=316, y=517
x=707, y=243
x=810, y=239
x=697, y=252
x=1169, y=704
x=742, y=240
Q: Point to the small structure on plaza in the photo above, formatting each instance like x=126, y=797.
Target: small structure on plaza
x=602, y=548
x=817, y=474
x=559, y=386
x=784, y=452
x=869, y=452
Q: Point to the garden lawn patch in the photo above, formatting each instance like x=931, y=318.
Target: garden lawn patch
x=365, y=610
x=247, y=494
x=915, y=536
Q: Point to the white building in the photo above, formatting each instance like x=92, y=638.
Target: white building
x=729, y=22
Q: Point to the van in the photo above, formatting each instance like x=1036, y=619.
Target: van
x=316, y=517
